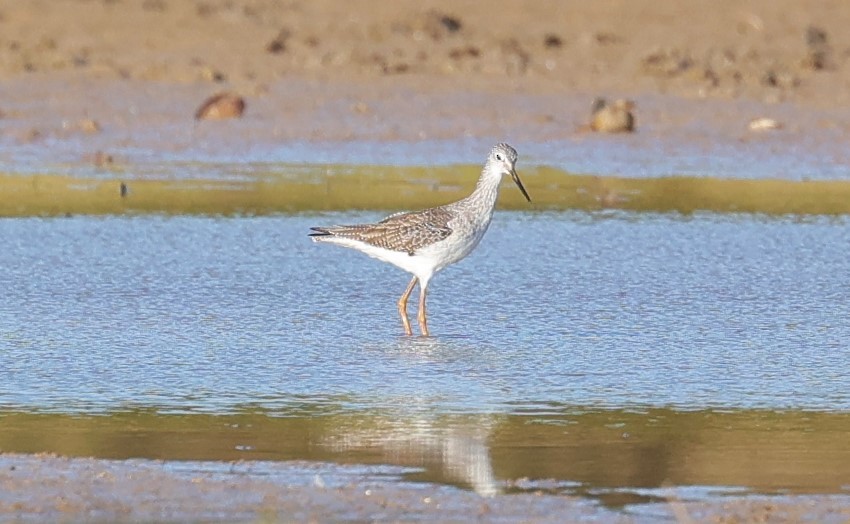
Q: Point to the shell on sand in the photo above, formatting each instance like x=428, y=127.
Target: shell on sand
x=764, y=124
x=615, y=117
x=220, y=107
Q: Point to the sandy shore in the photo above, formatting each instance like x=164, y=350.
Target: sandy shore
x=50, y=488
x=764, y=49
x=86, y=79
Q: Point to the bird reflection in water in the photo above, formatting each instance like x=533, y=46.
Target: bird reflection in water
x=450, y=450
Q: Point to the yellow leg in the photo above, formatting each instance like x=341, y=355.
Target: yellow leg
x=422, y=317
x=402, y=306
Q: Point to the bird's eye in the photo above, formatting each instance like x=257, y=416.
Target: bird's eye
x=498, y=157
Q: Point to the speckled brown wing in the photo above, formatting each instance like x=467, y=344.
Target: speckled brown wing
x=405, y=232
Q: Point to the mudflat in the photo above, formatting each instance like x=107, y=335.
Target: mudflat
x=112, y=74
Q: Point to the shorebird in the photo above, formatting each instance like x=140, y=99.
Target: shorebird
x=424, y=242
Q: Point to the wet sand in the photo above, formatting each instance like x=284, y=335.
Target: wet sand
x=82, y=79
x=48, y=487
x=141, y=490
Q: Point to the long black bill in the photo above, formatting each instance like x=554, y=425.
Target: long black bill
x=519, y=184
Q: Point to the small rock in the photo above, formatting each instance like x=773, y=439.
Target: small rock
x=816, y=60
x=819, y=54
x=764, y=124
x=220, y=107
x=275, y=47
x=278, y=44
x=616, y=117
x=710, y=77
x=666, y=63
x=87, y=125
x=779, y=78
x=469, y=51
x=451, y=23
x=435, y=25
x=552, y=41
x=212, y=75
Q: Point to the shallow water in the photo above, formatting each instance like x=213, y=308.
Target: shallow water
x=593, y=352
x=608, y=311
x=633, y=156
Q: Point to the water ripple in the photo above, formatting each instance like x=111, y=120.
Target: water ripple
x=554, y=309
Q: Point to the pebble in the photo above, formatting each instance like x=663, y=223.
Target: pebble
x=87, y=125
x=220, y=107
x=764, y=124
x=616, y=117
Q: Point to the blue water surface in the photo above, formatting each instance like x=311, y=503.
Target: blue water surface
x=553, y=311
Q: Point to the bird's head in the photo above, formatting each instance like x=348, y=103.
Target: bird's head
x=503, y=159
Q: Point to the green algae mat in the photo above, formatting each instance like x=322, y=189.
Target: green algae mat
x=288, y=189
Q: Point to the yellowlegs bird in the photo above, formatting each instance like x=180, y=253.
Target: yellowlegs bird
x=424, y=242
